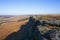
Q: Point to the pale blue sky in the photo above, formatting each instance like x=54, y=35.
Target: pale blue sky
x=26, y=7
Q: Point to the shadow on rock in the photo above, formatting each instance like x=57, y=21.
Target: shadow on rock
x=29, y=31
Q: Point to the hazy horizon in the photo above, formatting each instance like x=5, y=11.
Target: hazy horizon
x=29, y=7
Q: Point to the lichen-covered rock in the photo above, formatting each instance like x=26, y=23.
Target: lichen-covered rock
x=53, y=35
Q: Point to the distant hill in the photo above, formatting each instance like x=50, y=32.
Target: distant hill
x=6, y=16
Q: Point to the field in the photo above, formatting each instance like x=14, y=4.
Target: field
x=11, y=24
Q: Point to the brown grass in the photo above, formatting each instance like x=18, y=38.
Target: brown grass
x=8, y=28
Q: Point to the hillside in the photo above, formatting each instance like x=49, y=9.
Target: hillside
x=11, y=27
